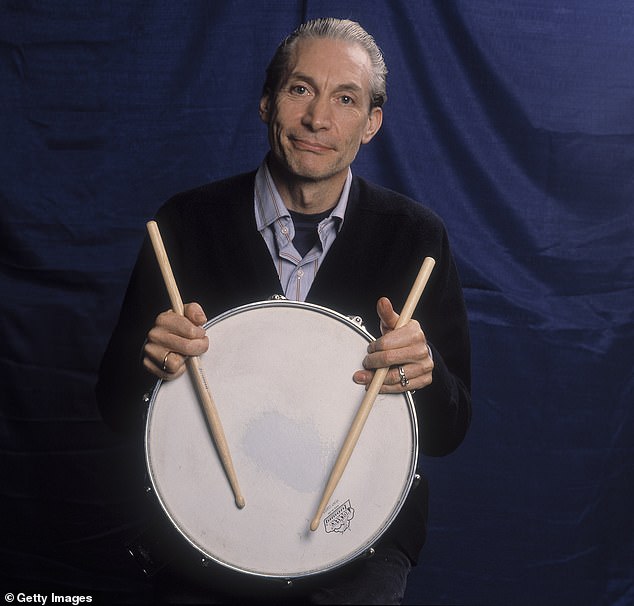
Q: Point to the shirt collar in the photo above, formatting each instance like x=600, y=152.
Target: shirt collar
x=269, y=206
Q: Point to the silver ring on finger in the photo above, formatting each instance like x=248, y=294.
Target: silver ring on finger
x=164, y=367
x=404, y=380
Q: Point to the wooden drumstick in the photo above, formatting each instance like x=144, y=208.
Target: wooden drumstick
x=370, y=396
x=195, y=367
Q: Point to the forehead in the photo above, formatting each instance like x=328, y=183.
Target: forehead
x=338, y=61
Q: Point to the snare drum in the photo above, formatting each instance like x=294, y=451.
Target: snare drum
x=280, y=373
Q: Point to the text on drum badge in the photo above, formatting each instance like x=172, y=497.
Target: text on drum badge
x=339, y=519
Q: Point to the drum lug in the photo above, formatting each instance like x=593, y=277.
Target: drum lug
x=357, y=320
x=146, y=551
x=277, y=298
x=416, y=480
x=369, y=553
x=146, y=398
x=147, y=484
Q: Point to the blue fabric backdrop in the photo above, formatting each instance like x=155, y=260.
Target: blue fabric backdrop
x=513, y=119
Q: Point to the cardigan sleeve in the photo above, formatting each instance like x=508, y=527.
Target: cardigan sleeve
x=445, y=405
x=219, y=260
x=383, y=241
x=122, y=381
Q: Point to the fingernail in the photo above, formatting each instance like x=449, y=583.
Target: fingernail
x=359, y=378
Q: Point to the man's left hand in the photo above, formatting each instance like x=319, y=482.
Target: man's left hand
x=404, y=348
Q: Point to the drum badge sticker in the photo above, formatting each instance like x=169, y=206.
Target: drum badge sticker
x=339, y=519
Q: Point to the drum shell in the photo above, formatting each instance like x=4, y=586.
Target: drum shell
x=280, y=373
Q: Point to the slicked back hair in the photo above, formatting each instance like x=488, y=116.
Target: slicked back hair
x=334, y=29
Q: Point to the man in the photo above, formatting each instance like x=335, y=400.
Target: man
x=304, y=227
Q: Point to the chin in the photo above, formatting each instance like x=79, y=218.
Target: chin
x=314, y=173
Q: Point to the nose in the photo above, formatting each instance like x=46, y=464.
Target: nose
x=318, y=114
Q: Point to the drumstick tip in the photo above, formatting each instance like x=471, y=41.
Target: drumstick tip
x=240, y=503
x=315, y=524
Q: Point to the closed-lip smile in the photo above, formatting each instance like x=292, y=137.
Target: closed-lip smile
x=308, y=145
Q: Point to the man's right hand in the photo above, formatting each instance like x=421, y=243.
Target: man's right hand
x=173, y=339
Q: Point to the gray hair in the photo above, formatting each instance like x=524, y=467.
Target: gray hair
x=335, y=29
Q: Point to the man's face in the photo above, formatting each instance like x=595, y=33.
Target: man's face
x=321, y=113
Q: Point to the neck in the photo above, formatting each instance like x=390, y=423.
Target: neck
x=304, y=195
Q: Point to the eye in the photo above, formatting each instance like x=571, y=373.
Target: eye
x=299, y=89
x=346, y=100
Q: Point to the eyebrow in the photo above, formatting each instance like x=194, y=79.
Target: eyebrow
x=345, y=86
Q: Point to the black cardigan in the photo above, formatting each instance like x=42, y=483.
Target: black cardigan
x=221, y=261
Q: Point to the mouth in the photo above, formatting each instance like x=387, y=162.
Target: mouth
x=310, y=146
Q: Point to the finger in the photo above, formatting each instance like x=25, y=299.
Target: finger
x=363, y=377
x=179, y=325
x=413, y=385
x=415, y=359
x=387, y=316
x=172, y=363
x=173, y=331
x=164, y=364
x=161, y=362
x=410, y=347
x=168, y=374
x=160, y=341
x=417, y=376
x=410, y=335
x=414, y=376
x=167, y=360
x=194, y=312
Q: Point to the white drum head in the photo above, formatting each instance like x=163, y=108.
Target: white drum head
x=280, y=373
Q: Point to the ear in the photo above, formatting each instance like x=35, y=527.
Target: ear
x=375, y=119
x=265, y=107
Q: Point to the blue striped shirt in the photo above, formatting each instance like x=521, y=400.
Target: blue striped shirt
x=274, y=222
